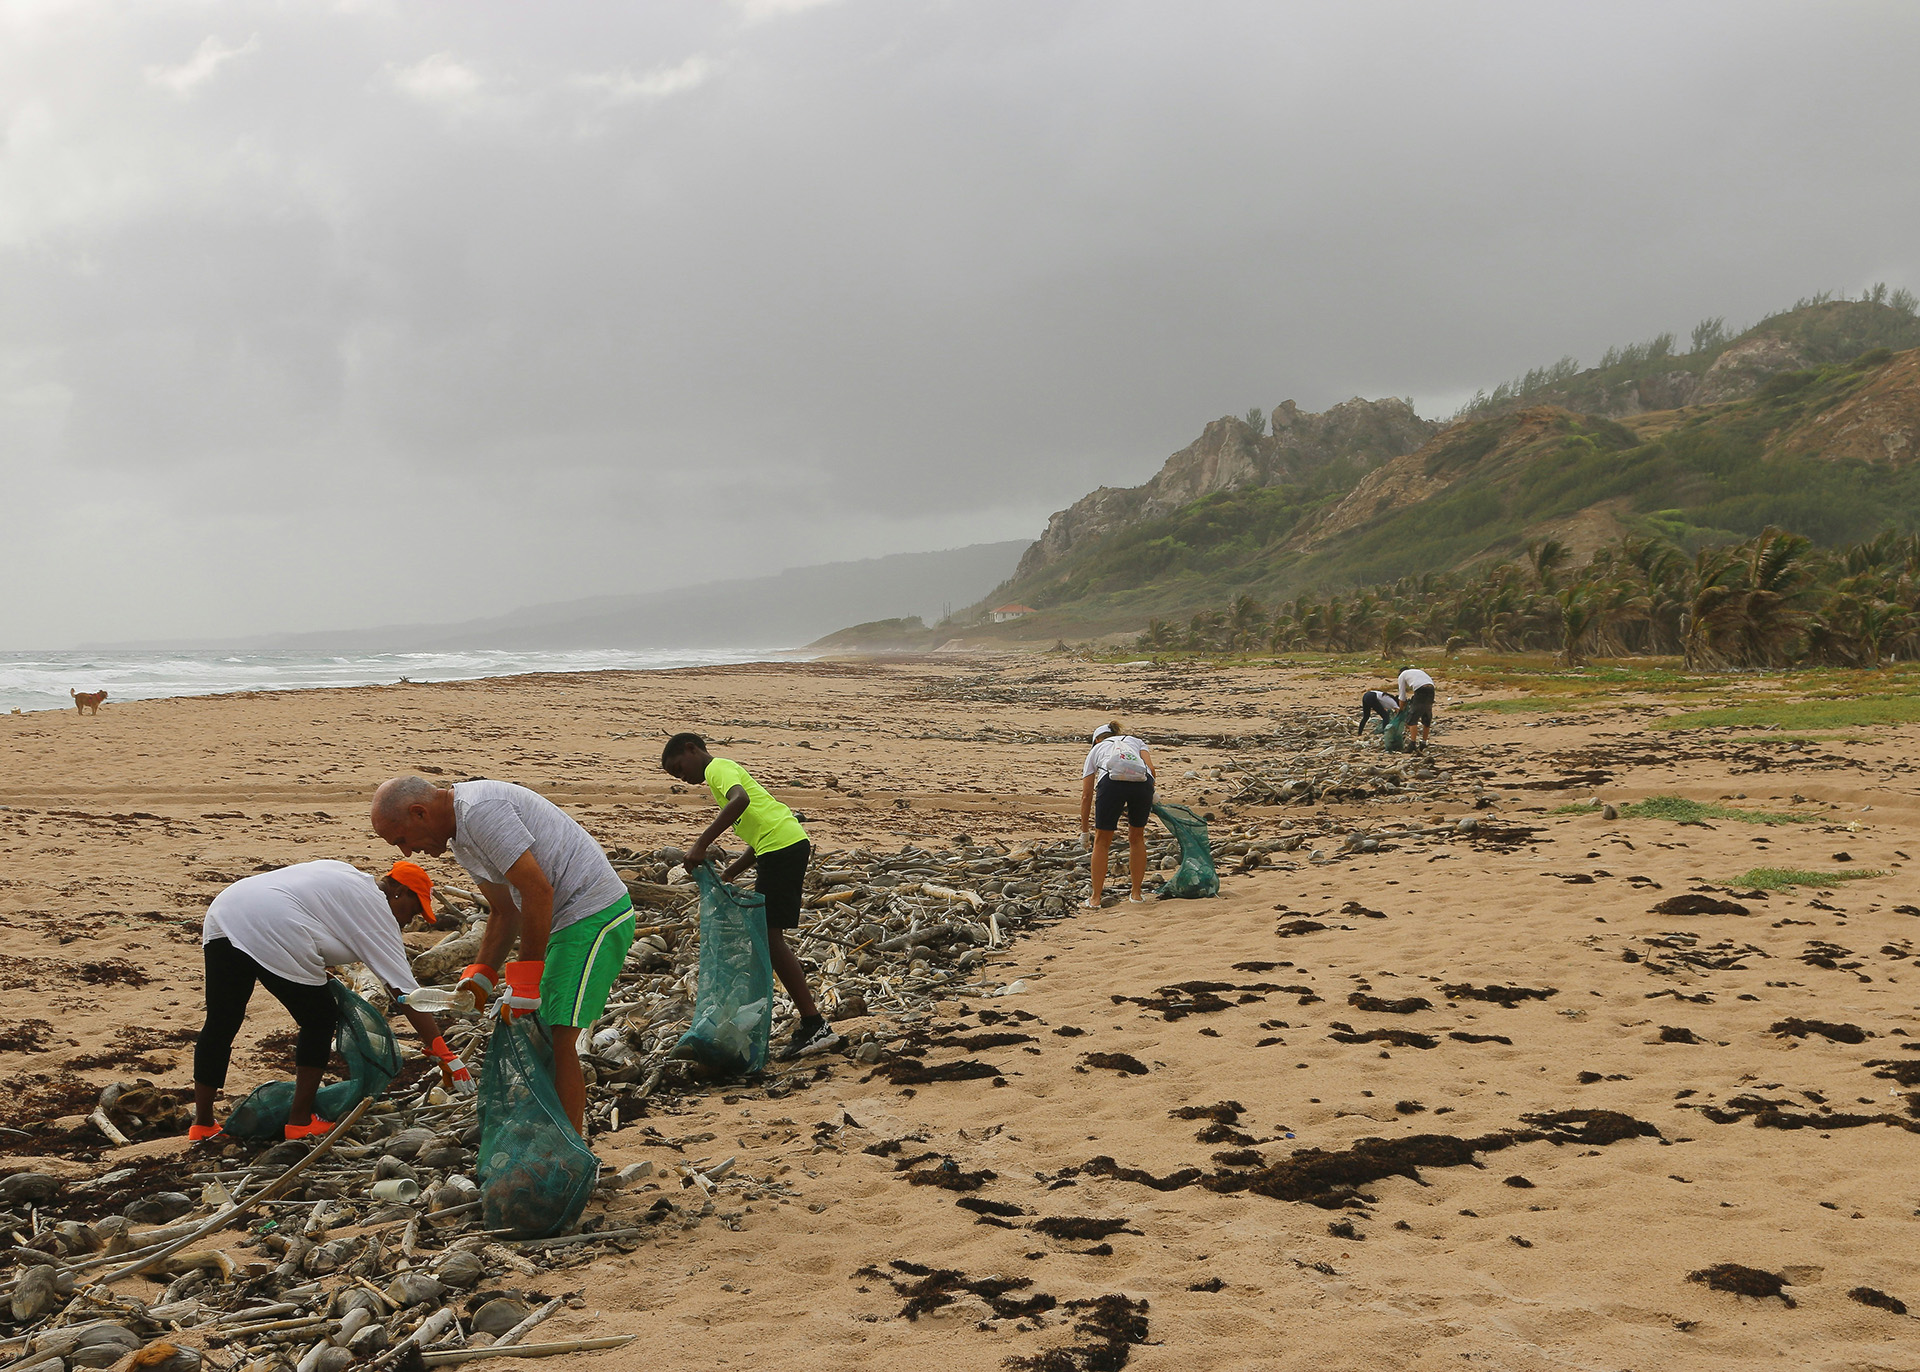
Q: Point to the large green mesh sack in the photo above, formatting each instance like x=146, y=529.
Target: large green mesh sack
x=535, y=1173
x=362, y=1037
x=1195, y=876
x=1394, y=737
x=733, y=1006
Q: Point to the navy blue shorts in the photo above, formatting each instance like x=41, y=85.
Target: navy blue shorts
x=1110, y=797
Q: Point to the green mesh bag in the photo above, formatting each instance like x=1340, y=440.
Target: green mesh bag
x=1196, y=876
x=733, y=1006
x=535, y=1172
x=1394, y=737
x=362, y=1037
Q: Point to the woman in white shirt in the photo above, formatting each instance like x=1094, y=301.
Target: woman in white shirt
x=282, y=930
x=1118, y=776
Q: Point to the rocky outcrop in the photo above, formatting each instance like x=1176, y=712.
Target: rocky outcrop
x=1739, y=371
x=1230, y=456
x=1879, y=422
x=1464, y=450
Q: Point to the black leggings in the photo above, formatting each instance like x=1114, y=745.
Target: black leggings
x=230, y=978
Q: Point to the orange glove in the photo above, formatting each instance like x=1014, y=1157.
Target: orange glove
x=479, y=980
x=523, y=989
x=453, y=1072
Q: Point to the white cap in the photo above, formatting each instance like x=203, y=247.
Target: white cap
x=1102, y=732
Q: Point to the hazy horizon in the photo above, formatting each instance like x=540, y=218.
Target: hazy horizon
x=364, y=314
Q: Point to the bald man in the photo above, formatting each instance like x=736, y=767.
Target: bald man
x=548, y=884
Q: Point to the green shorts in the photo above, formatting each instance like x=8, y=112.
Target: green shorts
x=583, y=960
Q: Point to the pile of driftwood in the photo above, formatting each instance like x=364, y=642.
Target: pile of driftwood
x=361, y=1249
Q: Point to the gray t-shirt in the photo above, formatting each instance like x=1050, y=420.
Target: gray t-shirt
x=495, y=822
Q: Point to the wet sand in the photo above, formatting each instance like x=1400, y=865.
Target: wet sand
x=1549, y=1250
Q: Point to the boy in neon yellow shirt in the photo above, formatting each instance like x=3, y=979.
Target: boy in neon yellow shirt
x=778, y=847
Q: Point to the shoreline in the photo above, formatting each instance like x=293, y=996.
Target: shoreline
x=30, y=682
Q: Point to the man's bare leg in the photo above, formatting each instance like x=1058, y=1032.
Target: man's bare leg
x=1136, y=858
x=569, y=1082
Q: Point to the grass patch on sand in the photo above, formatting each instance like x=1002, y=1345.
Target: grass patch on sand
x=1803, y=714
x=1778, y=878
x=1514, y=707
x=1680, y=810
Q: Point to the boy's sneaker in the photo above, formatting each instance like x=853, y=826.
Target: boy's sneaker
x=811, y=1036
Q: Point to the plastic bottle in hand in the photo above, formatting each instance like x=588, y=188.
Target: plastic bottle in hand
x=438, y=1000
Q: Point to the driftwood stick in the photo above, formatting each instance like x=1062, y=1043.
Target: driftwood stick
x=913, y=936
x=573, y=1238
x=520, y=1330
x=98, y=1119
x=524, y=1350
x=234, y=1211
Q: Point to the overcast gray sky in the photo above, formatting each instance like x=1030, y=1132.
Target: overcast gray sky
x=356, y=313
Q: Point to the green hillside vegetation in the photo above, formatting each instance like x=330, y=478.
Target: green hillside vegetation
x=1719, y=476
x=909, y=633
x=1823, y=328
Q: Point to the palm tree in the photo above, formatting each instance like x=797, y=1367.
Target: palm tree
x=1580, y=614
x=1744, y=610
x=1245, y=619
x=1547, y=555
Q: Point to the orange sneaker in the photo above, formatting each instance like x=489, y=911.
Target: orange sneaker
x=200, y=1133
x=312, y=1129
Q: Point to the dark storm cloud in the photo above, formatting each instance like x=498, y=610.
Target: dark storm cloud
x=369, y=312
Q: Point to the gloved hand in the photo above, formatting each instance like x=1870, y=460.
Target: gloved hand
x=453, y=1072
x=479, y=980
x=1085, y=840
x=523, y=989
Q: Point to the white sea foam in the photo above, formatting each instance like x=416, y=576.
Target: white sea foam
x=40, y=681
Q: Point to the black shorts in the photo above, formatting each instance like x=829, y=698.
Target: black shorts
x=1110, y=797
x=779, y=876
x=1420, y=708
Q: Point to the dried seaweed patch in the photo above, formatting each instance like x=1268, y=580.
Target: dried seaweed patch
x=909, y=1073
x=1800, y=1028
x=1505, y=996
x=1743, y=1281
x=1112, y=1326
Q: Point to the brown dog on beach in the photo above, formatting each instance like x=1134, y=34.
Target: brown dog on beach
x=89, y=700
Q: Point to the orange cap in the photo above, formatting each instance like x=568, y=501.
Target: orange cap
x=414, y=877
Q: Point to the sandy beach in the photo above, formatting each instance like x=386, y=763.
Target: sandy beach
x=1542, y=1245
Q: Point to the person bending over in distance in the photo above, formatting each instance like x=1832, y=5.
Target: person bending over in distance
x=779, y=850
x=1375, y=703
x=1416, y=690
x=283, y=929
x=547, y=883
x=1117, y=777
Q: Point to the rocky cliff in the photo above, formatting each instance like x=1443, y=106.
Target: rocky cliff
x=1231, y=456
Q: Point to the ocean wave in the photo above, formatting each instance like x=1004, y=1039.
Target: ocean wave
x=41, y=681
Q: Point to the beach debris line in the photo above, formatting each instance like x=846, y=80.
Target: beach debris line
x=888, y=935
x=366, y=1248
